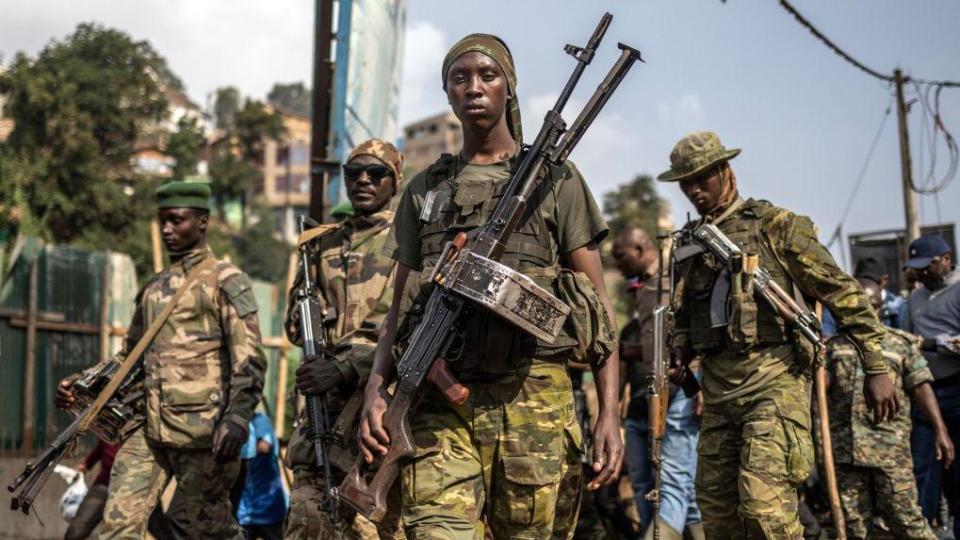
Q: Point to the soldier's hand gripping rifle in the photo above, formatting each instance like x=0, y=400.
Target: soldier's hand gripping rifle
x=313, y=338
x=468, y=275
x=804, y=321
x=112, y=423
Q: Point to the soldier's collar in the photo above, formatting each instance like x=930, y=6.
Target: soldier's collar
x=362, y=223
x=191, y=258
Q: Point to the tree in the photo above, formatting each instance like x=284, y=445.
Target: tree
x=634, y=203
x=230, y=176
x=295, y=97
x=226, y=105
x=78, y=108
x=184, y=147
x=253, y=124
x=261, y=254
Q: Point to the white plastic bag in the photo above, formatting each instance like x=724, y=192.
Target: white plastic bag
x=75, y=493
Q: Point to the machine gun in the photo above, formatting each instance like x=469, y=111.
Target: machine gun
x=758, y=280
x=313, y=336
x=468, y=276
x=113, y=424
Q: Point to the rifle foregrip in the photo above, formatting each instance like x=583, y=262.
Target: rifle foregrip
x=452, y=389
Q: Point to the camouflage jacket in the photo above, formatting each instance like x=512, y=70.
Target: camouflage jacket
x=353, y=278
x=856, y=440
x=756, y=345
x=206, y=363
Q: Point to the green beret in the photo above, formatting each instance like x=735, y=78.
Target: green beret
x=184, y=195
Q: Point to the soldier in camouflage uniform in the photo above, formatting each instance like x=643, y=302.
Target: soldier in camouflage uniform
x=755, y=445
x=874, y=468
x=353, y=278
x=203, y=379
x=507, y=461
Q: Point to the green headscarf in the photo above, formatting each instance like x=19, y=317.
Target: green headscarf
x=497, y=50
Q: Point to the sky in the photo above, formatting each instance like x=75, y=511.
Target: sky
x=804, y=118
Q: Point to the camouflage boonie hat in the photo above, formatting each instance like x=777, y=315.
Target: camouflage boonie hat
x=694, y=153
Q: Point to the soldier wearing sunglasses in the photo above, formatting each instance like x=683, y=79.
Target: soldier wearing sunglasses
x=353, y=278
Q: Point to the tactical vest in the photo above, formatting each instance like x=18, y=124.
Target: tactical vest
x=491, y=345
x=750, y=323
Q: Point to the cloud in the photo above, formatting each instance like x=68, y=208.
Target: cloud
x=210, y=43
x=610, y=153
x=423, y=51
x=682, y=114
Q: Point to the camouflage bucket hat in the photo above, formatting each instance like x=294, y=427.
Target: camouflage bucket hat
x=695, y=153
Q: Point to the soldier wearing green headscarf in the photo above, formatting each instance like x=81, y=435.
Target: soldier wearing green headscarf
x=755, y=445
x=203, y=378
x=509, y=458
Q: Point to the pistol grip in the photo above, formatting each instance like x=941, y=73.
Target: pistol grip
x=452, y=389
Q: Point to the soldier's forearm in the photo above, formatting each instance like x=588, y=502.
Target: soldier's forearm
x=927, y=401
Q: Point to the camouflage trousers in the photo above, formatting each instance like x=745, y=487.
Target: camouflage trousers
x=306, y=521
x=890, y=493
x=508, y=458
x=753, y=453
x=140, y=474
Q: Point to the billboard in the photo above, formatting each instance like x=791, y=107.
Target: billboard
x=366, y=95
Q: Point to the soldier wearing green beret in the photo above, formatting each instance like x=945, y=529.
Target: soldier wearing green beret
x=755, y=445
x=507, y=460
x=204, y=374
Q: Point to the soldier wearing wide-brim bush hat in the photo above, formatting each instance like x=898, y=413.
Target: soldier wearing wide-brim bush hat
x=184, y=195
x=755, y=443
x=694, y=154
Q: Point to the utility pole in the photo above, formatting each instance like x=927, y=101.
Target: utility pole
x=909, y=196
x=320, y=107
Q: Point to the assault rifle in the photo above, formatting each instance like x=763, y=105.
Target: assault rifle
x=468, y=276
x=753, y=277
x=113, y=423
x=658, y=402
x=313, y=337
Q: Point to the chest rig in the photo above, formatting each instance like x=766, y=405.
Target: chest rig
x=719, y=320
x=453, y=205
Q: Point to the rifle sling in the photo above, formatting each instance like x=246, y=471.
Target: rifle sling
x=141, y=346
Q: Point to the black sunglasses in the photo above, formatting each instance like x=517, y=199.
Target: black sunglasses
x=353, y=171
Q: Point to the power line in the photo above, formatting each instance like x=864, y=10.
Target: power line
x=826, y=41
x=861, y=176
x=853, y=61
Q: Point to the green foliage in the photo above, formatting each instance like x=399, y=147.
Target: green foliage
x=230, y=176
x=260, y=253
x=253, y=124
x=226, y=104
x=184, y=147
x=78, y=108
x=634, y=203
x=294, y=97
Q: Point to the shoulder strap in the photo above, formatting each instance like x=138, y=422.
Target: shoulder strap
x=91, y=413
x=317, y=232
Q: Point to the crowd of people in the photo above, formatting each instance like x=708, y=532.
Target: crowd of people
x=515, y=460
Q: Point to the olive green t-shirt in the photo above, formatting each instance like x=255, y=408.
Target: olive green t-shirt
x=570, y=211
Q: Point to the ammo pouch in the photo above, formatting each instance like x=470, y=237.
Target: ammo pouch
x=588, y=323
x=742, y=320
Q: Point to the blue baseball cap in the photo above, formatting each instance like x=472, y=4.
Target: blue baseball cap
x=924, y=249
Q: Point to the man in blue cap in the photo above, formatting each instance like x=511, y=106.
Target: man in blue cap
x=933, y=312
